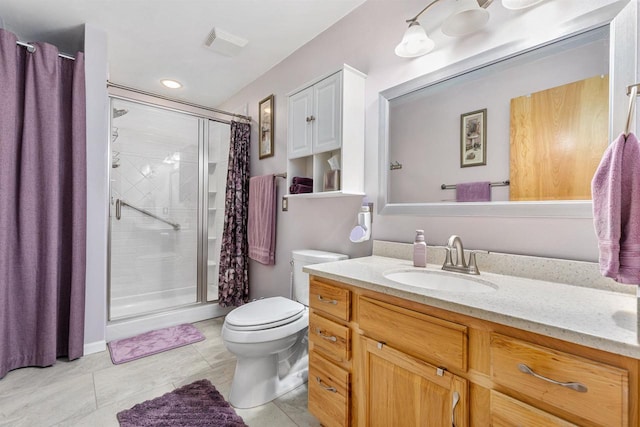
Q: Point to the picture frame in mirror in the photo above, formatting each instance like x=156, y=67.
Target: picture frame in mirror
x=473, y=138
x=265, y=127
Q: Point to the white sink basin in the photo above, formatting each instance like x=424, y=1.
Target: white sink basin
x=439, y=281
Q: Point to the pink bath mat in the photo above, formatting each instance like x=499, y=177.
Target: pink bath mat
x=153, y=342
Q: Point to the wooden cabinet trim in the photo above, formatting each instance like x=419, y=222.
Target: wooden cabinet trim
x=428, y=372
x=407, y=330
x=605, y=400
x=506, y=411
x=330, y=299
x=330, y=337
x=329, y=391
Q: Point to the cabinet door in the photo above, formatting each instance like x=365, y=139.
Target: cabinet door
x=404, y=391
x=327, y=123
x=300, y=123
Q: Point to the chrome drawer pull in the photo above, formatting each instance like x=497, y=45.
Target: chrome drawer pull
x=456, y=399
x=331, y=389
x=331, y=338
x=327, y=301
x=581, y=388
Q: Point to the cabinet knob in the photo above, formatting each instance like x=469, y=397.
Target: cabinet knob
x=310, y=119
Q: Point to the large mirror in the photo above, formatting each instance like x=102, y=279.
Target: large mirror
x=517, y=131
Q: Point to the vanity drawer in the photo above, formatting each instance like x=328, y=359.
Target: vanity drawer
x=329, y=336
x=328, y=391
x=331, y=299
x=410, y=331
x=604, y=390
x=509, y=412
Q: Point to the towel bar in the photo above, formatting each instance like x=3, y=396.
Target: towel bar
x=493, y=184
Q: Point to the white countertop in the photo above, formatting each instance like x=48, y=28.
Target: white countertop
x=596, y=318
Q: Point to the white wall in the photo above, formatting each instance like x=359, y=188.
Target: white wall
x=365, y=39
x=95, y=47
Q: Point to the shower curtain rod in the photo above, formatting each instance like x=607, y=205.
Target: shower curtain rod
x=31, y=48
x=178, y=101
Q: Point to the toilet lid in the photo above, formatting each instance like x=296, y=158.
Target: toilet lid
x=265, y=313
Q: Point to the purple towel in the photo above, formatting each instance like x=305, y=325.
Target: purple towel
x=261, y=225
x=473, y=191
x=299, y=189
x=302, y=180
x=615, y=191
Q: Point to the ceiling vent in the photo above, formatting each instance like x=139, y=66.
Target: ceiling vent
x=225, y=43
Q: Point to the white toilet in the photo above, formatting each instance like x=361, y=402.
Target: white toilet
x=269, y=339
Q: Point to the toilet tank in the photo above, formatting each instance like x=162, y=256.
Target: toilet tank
x=300, y=279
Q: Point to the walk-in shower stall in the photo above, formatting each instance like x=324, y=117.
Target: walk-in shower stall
x=167, y=182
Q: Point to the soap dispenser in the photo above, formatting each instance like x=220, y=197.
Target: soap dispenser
x=419, y=250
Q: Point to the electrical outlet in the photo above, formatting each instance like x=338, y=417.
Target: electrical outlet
x=285, y=204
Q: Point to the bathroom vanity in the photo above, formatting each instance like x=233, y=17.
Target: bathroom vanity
x=523, y=352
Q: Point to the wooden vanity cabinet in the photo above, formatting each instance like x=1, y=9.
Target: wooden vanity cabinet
x=329, y=353
x=396, y=362
x=401, y=390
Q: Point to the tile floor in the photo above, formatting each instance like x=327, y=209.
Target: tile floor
x=91, y=391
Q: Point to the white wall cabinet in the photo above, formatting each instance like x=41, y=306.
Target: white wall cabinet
x=326, y=119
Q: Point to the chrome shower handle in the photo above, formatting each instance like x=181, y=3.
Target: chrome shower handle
x=580, y=388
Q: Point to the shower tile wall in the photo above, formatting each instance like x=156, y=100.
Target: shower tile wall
x=155, y=159
x=219, y=136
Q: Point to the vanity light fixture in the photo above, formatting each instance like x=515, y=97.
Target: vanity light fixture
x=171, y=84
x=469, y=16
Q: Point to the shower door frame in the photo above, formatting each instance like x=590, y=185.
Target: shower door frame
x=202, y=212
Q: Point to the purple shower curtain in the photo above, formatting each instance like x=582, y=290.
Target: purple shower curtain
x=233, y=274
x=42, y=205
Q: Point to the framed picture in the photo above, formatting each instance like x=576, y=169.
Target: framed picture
x=331, y=181
x=265, y=127
x=473, y=138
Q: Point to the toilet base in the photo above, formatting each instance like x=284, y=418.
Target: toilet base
x=256, y=381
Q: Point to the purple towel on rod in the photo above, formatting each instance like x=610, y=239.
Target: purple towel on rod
x=473, y=191
x=261, y=225
x=615, y=190
x=299, y=189
x=302, y=180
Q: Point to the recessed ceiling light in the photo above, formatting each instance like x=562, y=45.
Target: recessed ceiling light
x=171, y=84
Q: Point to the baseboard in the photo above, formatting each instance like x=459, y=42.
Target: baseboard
x=129, y=327
x=95, y=347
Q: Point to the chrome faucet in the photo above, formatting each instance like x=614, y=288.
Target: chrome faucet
x=460, y=266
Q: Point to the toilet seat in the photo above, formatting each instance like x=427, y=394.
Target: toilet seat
x=264, y=314
x=231, y=334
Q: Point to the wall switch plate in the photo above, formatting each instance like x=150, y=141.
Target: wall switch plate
x=285, y=204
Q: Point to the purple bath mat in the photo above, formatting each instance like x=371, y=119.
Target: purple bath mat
x=153, y=342
x=195, y=405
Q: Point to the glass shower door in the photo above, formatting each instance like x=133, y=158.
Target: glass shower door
x=154, y=209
